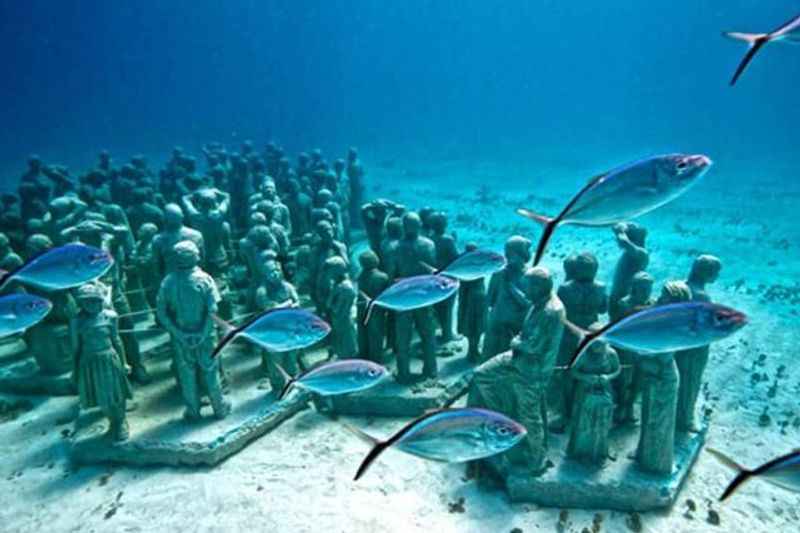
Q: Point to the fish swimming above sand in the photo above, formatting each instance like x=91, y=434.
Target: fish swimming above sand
x=64, y=267
x=787, y=33
x=452, y=435
x=278, y=330
x=413, y=293
x=20, y=311
x=624, y=193
x=473, y=265
x=667, y=328
x=336, y=377
x=783, y=471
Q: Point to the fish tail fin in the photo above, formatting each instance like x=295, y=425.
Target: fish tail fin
x=230, y=333
x=550, y=224
x=586, y=337
x=743, y=473
x=370, y=305
x=5, y=277
x=289, y=381
x=755, y=41
x=378, y=447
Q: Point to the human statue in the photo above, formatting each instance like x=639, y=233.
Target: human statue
x=258, y=240
x=388, y=248
x=142, y=270
x=186, y=303
x=515, y=382
x=692, y=363
x=593, y=405
x=143, y=210
x=472, y=314
x=272, y=292
x=340, y=307
x=371, y=282
x=174, y=232
x=324, y=247
x=659, y=382
x=506, y=298
x=100, y=370
x=207, y=212
x=415, y=255
x=631, y=239
x=584, y=300
x=280, y=233
x=65, y=211
x=324, y=200
x=425, y=214
x=355, y=179
x=373, y=218
x=298, y=203
x=7, y=254
x=626, y=386
x=269, y=192
x=446, y=253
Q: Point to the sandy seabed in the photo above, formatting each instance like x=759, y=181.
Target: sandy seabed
x=298, y=478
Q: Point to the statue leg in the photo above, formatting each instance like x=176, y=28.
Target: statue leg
x=210, y=374
x=444, y=315
x=529, y=400
x=426, y=328
x=691, y=365
x=132, y=352
x=374, y=335
x=187, y=379
x=403, y=324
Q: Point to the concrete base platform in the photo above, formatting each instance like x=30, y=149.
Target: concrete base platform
x=393, y=399
x=619, y=485
x=160, y=435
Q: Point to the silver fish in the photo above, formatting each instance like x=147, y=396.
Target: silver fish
x=449, y=435
x=20, y=311
x=624, y=193
x=278, y=330
x=413, y=293
x=783, y=471
x=474, y=265
x=60, y=268
x=337, y=377
x=788, y=33
x=667, y=328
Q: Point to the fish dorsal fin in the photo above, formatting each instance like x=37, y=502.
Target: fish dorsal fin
x=231, y=333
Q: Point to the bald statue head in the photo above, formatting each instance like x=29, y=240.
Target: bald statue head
x=412, y=225
x=518, y=251
x=705, y=269
x=539, y=285
x=173, y=217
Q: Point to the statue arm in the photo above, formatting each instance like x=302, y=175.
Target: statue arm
x=188, y=205
x=161, y=311
x=224, y=202
x=116, y=342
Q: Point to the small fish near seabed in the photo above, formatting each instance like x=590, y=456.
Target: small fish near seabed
x=278, y=330
x=788, y=33
x=667, y=328
x=336, y=377
x=20, y=311
x=783, y=471
x=413, y=293
x=452, y=435
x=474, y=265
x=624, y=193
x=64, y=267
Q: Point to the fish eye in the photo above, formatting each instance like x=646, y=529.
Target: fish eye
x=682, y=165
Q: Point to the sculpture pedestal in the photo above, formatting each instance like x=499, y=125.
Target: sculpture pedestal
x=619, y=485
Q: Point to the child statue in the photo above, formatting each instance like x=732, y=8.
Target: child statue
x=446, y=253
x=339, y=307
x=100, y=371
x=472, y=312
x=631, y=239
x=371, y=282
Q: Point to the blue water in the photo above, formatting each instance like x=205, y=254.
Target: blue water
x=466, y=77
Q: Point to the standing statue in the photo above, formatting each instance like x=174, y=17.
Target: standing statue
x=371, y=282
x=373, y=217
x=472, y=312
x=100, y=371
x=593, y=407
x=269, y=192
x=659, y=381
x=326, y=246
x=446, y=253
x=174, y=232
x=339, y=305
x=514, y=383
x=355, y=178
x=627, y=385
x=415, y=255
x=186, y=303
x=585, y=300
x=207, y=212
x=143, y=274
x=388, y=249
x=631, y=239
x=692, y=363
x=298, y=204
x=258, y=240
x=143, y=211
x=507, y=301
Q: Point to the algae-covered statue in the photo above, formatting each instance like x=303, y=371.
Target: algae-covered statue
x=207, y=212
x=186, y=303
x=659, y=382
x=593, y=406
x=446, y=253
x=371, y=282
x=506, y=298
x=325, y=247
x=174, y=232
x=340, y=306
x=100, y=371
x=514, y=383
x=472, y=312
x=631, y=239
x=692, y=363
x=584, y=300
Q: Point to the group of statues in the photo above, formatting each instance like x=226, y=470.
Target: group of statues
x=251, y=231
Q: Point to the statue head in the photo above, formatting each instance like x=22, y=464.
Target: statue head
x=324, y=196
x=173, y=217
x=352, y=154
x=60, y=207
x=177, y=152
x=139, y=162
x=186, y=255
x=258, y=219
x=636, y=233
x=518, y=251
x=261, y=236
x=316, y=155
x=302, y=160
x=206, y=200
x=104, y=158
x=675, y=292
x=585, y=267
x=293, y=186
x=705, y=269
x=569, y=266
x=641, y=287
x=325, y=231
x=338, y=166
x=412, y=224
x=268, y=189
x=368, y=260
x=394, y=228
x=34, y=163
x=425, y=215
x=37, y=244
x=147, y=231
x=538, y=285
x=247, y=146
x=438, y=223
x=90, y=298
x=10, y=262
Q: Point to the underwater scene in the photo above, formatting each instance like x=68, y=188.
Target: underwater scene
x=380, y=266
